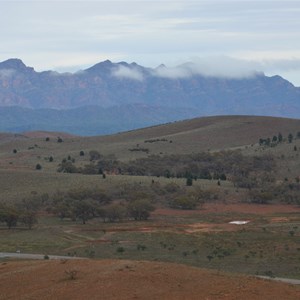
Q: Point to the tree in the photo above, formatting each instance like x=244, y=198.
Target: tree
x=189, y=181
x=260, y=197
x=94, y=155
x=81, y=153
x=59, y=140
x=62, y=209
x=140, y=209
x=274, y=139
x=290, y=138
x=83, y=209
x=115, y=212
x=29, y=218
x=280, y=138
x=9, y=215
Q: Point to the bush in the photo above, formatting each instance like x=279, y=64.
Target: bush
x=120, y=249
x=38, y=167
x=71, y=274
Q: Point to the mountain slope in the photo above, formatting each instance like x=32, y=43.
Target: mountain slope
x=127, y=96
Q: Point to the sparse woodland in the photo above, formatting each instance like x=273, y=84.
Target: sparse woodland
x=163, y=196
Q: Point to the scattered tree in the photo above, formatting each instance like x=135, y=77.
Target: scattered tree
x=140, y=209
x=189, y=181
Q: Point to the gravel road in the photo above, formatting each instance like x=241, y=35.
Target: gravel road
x=34, y=256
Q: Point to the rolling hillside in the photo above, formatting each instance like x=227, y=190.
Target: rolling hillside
x=190, y=136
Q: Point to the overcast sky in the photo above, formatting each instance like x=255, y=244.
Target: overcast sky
x=233, y=36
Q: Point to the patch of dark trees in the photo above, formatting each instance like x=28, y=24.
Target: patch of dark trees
x=205, y=165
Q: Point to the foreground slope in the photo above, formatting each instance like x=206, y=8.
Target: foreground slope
x=122, y=279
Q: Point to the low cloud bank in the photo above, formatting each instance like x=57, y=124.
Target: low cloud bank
x=128, y=73
x=221, y=67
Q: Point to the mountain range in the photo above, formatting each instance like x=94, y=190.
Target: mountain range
x=111, y=97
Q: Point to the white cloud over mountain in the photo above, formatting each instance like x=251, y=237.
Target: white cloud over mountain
x=68, y=35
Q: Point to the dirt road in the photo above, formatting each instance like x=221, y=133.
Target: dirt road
x=34, y=256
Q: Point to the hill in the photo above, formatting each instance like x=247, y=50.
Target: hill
x=111, y=97
x=183, y=137
x=123, y=279
x=209, y=135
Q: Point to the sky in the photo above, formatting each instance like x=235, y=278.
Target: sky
x=231, y=38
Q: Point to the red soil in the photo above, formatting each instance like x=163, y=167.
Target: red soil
x=121, y=279
x=237, y=208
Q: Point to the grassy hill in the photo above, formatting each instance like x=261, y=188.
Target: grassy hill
x=190, y=136
x=185, y=137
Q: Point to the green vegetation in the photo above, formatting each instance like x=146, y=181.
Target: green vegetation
x=155, y=194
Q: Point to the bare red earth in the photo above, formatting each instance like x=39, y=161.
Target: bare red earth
x=121, y=279
x=238, y=208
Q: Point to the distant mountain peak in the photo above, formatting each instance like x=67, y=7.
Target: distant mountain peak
x=104, y=65
x=13, y=63
x=161, y=66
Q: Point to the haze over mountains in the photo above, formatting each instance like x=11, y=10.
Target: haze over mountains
x=110, y=97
